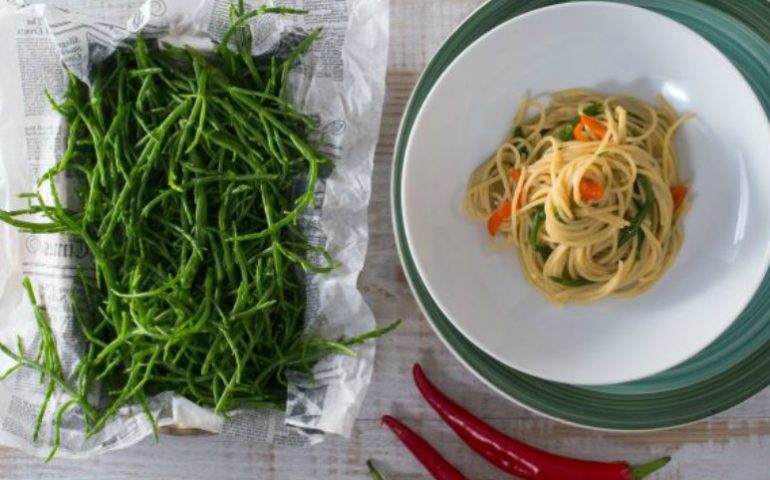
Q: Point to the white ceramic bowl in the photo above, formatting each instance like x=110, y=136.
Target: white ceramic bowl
x=725, y=152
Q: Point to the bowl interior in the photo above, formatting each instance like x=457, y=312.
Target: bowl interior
x=723, y=152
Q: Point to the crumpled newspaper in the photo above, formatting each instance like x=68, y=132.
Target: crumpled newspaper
x=340, y=82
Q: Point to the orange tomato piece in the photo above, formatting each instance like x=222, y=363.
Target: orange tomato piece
x=577, y=132
x=596, y=127
x=504, y=211
x=501, y=214
x=591, y=190
x=678, y=194
x=591, y=124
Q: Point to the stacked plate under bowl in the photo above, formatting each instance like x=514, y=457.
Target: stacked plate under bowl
x=699, y=341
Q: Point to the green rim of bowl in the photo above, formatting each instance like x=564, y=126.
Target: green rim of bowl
x=735, y=366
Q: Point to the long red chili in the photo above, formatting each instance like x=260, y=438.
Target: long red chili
x=431, y=459
x=518, y=458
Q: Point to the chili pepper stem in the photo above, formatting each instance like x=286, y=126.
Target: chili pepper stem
x=376, y=475
x=639, y=472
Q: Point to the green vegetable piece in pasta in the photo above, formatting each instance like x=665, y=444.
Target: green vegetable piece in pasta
x=631, y=230
x=537, y=221
x=592, y=110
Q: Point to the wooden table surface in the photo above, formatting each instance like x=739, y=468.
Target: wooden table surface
x=732, y=445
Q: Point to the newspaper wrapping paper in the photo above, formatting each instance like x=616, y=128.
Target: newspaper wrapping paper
x=340, y=82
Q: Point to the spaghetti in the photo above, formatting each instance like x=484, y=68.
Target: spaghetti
x=587, y=190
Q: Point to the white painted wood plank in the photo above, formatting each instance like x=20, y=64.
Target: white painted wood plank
x=717, y=449
x=419, y=27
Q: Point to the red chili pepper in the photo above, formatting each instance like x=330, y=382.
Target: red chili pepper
x=518, y=458
x=437, y=465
